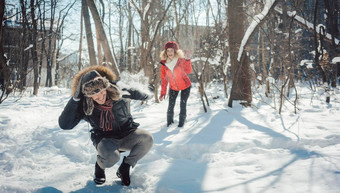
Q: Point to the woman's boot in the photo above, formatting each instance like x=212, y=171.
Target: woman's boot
x=170, y=119
x=181, y=120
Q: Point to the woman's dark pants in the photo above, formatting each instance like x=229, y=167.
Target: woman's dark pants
x=183, y=106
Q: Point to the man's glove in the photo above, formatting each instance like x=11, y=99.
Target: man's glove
x=135, y=94
x=79, y=93
x=162, y=97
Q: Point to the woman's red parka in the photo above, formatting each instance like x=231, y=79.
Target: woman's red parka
x=178, y=79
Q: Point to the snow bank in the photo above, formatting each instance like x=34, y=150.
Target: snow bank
x=225, y=150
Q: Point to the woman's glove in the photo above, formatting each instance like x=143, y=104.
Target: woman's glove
x=187, y=55
x=162, y=97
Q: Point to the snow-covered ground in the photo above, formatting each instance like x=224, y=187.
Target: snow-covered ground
x=232, y=150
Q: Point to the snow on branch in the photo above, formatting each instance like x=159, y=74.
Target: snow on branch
x=269, y=4
x=63, y=58
x=307, y=24
x=147, y=7
x=336, y=60
x=29, y=47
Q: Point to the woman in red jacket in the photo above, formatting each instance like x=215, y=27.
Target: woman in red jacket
x=175, y=68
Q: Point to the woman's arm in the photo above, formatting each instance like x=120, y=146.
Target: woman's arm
x=164, y=81
x=71, y=115
x=187, y=66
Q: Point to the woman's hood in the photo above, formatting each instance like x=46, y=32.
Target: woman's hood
x=102, y=70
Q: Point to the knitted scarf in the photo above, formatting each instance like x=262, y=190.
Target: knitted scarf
x=106, y=115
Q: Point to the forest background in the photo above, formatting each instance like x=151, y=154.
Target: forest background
x=280, y=57
x=240, y=44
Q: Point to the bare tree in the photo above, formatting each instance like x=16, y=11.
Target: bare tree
x=22, y=67
x=4, y=71
x=122, y=62
x=99, y=47
x=102, y=36
x=60, y=40
x=264, y=62
x=80, y=50
x=129, y=60
x=50, y=51
x=332, y=11
x=149, y=29
x=43, y=35
x=34, y=49
x=288, y=81
x=89, y=35
x=111, y=16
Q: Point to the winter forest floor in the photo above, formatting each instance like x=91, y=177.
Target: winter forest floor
x=236, y=150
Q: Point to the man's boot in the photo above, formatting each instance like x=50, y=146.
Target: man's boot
x=124, y=173
x=99, y=175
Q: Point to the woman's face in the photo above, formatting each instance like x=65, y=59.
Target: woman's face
x=100, y=97
x=170, y=52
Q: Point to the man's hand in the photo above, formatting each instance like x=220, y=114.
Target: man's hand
x=79, y=93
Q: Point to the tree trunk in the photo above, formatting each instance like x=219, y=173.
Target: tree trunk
x=264, y=66
x=4, y=71
x=145, y=31
x=99, y=49
x=50, y=50
x=129, y=40
x=3, y=59
x=332, y=22
x=89, y=35
x=25, y=40
x=241, y=87
x=34, y=50
x=80, y=40
x=43, y=39
x=177, y=20
x=110, y=32
x=102, y=37
x=122, y=63
x=316, y=45
x=43, y=36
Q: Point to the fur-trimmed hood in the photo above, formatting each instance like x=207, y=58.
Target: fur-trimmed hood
x=102, y=70
x=94, y=79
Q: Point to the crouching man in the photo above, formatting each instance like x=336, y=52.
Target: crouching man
x=97, y=100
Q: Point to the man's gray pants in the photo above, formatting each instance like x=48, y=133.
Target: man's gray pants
x=138, y=143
